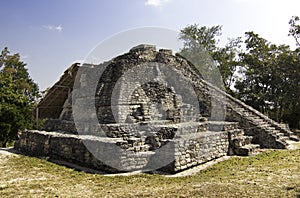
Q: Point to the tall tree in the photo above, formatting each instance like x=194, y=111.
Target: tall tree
x=270, y=80
x=227, y=61
x=289, y=108
x=216, y=64
x=18, y=93
x=257, y=64
x=269, y=74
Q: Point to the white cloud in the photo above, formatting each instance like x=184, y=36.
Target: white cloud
x=52, y=27
x=156, y=3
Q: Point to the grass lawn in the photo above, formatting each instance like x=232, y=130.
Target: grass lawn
x=274, y=173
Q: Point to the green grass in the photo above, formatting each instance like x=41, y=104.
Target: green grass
x=269, y=174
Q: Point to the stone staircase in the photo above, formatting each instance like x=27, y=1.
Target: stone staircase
x=265, y=131
x=190, y=138
x=149, y=136
x=239, y=143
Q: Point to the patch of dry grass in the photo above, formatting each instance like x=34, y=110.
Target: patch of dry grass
x=269, y=174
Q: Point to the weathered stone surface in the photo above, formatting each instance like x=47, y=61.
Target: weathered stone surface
x=174, y=109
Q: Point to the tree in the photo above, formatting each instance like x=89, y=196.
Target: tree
x=200, y=38
x=227, y=61
x=290, y=75
x=269, y=74
x=216, y=64
x=295, y=29
x=270, y=80
x=18, y=93
x=257, y=62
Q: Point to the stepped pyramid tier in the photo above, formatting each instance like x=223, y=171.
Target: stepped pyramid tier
x=146, y=110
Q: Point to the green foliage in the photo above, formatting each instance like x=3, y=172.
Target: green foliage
x=5, y=133
x=295, y=28
x=200, y=38
x=271, y=79
x=199, y=44
x=216, y=64
x=227, y=61
x=258, y=63
x=17, y=95
x=264, y=75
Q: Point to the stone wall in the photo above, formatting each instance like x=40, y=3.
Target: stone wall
x=152, y=67
x=198, y=150
x=148, y=106
x=213, y=103
x=185, y=152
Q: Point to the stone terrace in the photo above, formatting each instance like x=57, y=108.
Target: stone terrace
x=148, y=124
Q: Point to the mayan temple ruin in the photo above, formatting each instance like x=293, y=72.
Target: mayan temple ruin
x=164, y=117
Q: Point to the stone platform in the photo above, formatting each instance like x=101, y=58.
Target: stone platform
x=146, y=110
x=182, y=145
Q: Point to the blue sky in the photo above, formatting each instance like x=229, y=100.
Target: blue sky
x=51, y=35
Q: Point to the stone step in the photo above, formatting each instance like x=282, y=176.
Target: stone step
x=269, y=128
x=130, y=142
x=294, y=138
x=287, y=133
x=283, y=138
x=193, y=136
x=241, y=141
x=240, y=109
x=260, y=123
x=272, y=128
x=274, y=132
x=188, y=118
x=222, y=126
x=135, y=140
x=141, y=148
x=247, y=150
x=101, y=139
x=278, y=135
x=198, y=136
x=202, y=119
x=191, y=128
x=256, y=119
x=280, y=144
x=243, y=111
x=235, y=133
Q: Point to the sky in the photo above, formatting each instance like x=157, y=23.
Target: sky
x=50, y=35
